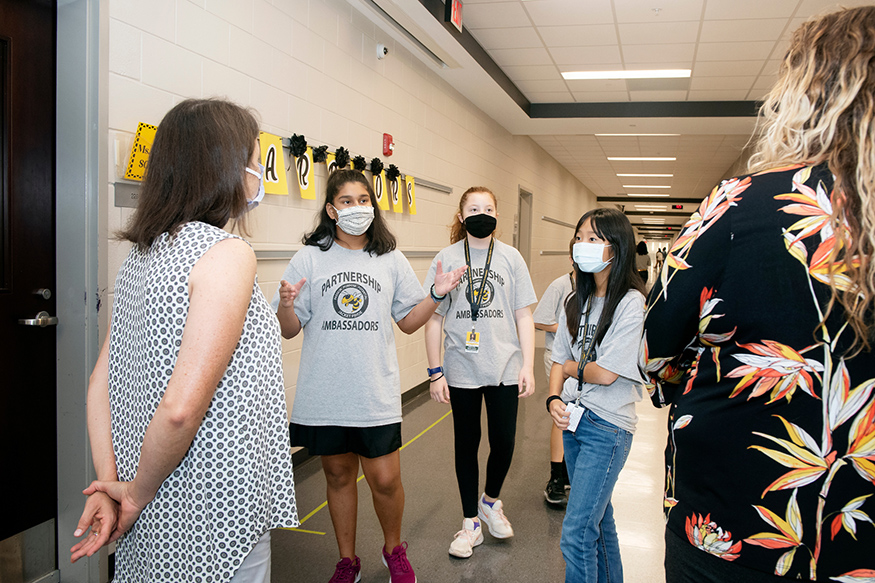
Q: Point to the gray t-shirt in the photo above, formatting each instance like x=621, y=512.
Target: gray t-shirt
x=551, y=304
x=349, y=374
x=618, y=353
x=508, y=288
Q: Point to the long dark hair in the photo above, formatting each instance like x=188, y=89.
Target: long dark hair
x=380, y=238
x=195, y=171
x=612, y=226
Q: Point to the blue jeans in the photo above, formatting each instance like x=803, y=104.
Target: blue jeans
x=594, y=454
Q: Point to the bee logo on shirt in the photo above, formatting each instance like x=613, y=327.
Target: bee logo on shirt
x=488, y=292
x=350, y=300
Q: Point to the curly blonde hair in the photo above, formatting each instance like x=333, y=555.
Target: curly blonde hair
x=822, y=110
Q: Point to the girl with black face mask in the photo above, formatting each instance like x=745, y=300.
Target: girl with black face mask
x=489, y=345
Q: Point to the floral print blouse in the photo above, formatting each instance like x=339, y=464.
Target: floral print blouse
x=770, y=461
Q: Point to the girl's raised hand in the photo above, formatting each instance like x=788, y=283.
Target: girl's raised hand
x=289, y=292
x=444, y=283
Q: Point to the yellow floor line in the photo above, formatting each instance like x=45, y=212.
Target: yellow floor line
x=324, y=504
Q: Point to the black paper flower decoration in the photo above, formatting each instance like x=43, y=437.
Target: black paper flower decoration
x=359, y=163
x=297, y=145
x=392, y=173
x=376, y=166
x=341, y=157
x=320, y=154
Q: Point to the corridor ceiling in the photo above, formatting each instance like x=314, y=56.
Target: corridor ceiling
x=510, y=55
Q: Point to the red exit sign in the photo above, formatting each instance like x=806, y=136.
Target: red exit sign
x=677, y=206
x=453, y=13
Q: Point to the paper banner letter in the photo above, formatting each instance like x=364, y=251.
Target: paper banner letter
x=330, y=163
x=304, y=172
x=136, y=168
x=397, y=203
x=380, y=191
x=410, y=194
x=273, y=159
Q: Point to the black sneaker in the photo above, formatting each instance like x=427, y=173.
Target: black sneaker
x=555, y=492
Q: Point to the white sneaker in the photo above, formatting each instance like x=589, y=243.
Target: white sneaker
x=497, y=523
x=466, y=539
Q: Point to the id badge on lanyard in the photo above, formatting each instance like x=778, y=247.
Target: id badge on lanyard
x=472, y=338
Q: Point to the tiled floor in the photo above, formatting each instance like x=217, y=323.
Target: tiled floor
x=433, y=512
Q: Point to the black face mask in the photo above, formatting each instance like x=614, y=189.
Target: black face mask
x=480, y=226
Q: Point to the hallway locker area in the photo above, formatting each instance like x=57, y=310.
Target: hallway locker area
x=433, y=512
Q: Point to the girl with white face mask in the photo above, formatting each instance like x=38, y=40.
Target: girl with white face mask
x=594, y=385
x=351, y=284
x=489, y=351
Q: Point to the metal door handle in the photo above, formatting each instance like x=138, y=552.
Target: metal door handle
x=42, y=320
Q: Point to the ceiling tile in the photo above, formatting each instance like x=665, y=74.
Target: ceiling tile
x=659, y=53
x=506, y=57
x=736, y=9
x=531, y=72
x=542, y=85
x=749, y=51
x=714, y=83
x=570, y=57
x=721, y=68
x=578, y=36
x=658, y=95
x=494, y=15
x=597, y=85
x=743, y=30
x=765, y=82
x=507, y=38
x=817, y=7
x=659, y=33
x=565, y=12
x=718, y=95
x=677, y=10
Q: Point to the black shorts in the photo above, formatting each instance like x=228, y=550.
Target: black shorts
x=369, y=442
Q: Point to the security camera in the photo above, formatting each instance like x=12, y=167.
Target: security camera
x=382, y=51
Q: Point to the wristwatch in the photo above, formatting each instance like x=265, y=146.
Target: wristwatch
x=435, y=370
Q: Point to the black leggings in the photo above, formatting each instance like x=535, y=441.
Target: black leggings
x=502, y=403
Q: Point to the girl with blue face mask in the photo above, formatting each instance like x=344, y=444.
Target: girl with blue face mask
x=594, y=385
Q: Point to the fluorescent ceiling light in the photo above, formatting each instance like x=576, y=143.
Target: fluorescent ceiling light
x=644, y=186
x=647, y=175
x=634, y=135
x=640, y=159
x=652, y=207
x=652, y=74
x=647, y=195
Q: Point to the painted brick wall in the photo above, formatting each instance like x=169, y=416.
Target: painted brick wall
x=309, y=67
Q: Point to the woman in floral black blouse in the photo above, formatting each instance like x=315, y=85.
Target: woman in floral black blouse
x=759, y=335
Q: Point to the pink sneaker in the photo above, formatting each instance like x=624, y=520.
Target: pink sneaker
x=400, y=570
x=347, y=571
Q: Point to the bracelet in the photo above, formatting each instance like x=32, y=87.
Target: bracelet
x=552, y=398
x=437, y=299
x=436, y=379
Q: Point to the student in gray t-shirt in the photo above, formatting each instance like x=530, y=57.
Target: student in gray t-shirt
x=351, y=284
x=489, y=344
x=546, y=318
x=596, y=355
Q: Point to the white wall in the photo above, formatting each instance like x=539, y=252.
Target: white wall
x=309, y=67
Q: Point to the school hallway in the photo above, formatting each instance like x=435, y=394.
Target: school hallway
x=433, y=511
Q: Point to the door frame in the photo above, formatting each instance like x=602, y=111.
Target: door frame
x=81, y=192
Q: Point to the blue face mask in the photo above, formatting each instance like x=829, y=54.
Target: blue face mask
x=251, y=204
x=588, y=256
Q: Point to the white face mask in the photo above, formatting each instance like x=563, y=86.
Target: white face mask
x=251, y=204
x=588, y=256
x=354, y=220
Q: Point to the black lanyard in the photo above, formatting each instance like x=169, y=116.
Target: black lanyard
x=475, y=303
x=586, y=348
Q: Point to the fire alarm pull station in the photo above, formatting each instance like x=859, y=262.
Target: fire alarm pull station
x=388, y=145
